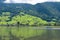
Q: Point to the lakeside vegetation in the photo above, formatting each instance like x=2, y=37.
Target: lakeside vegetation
x=17, y=21
x=30, y=15
x=23, y=19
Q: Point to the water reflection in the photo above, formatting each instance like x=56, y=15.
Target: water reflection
x=29, y=33
x=50, y=34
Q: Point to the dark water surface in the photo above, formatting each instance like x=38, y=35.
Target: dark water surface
x=29, y=33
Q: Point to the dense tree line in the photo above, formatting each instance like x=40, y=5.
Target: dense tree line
x=22, y=19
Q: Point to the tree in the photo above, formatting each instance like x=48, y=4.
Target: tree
x=4, y=18
x=26, y=19
x=51, y=23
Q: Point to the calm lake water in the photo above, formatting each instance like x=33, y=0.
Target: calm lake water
x=29, y=33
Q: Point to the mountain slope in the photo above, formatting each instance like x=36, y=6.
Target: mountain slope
x=47, y=11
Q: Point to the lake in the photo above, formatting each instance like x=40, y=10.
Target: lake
x=29, y=33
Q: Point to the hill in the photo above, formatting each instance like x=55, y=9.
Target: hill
x=48, y=11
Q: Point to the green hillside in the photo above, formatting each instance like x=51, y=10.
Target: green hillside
x=47, y=13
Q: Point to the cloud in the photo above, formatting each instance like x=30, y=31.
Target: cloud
x=7, y=1
x=30, y=1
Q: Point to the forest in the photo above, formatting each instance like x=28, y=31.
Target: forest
x=41, y=14
x=22, y=19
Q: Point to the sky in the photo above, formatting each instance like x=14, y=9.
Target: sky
x=30, y=1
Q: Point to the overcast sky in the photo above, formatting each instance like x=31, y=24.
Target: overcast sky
x=30, y=1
